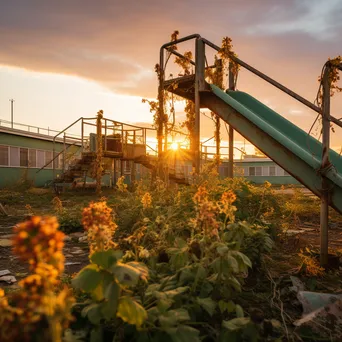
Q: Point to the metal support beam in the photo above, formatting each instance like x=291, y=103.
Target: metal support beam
x=325, y=164
x=161, y=104
x=199, y=86
x=231, y=81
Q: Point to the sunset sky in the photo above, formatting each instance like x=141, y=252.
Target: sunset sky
x=63, y=59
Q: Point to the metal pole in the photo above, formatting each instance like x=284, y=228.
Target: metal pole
x=231, y=130
x=82, y=134
x=11, y=100
x=325, y=164
x=199, y=86
x=64, y=155
x=105, y=139
x=161, y=111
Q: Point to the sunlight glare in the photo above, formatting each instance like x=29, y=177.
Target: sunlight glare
x=174, y=146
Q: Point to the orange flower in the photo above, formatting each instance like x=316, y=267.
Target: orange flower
x=98, y=222
x=38, y=240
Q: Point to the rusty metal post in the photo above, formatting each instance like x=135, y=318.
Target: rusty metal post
x=325, y=164
x=132, y=172
x=64, y=154
x=231, y=130
x=161, y=104
x=199, y=86
x=105, y=139
x=82, y=134
x=121, y=167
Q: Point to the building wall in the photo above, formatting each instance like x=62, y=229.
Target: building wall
x=11, y=175
x=260, y=171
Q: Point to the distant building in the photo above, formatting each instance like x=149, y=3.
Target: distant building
x=27, y=155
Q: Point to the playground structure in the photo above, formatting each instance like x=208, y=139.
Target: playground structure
x=311, y=162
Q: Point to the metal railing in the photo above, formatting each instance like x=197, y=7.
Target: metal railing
x=27, y=128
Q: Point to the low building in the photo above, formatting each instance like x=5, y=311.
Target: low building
x=29, y=155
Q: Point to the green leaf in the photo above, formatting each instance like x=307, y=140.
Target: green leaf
x=222, y=250
x=87, y=279
x=184, y=333
x=164, y=304
x=207, y=304
x=226, y=306
x=141, y=268
x=126, y=275
x=239, y=311
x=180, y=314
x=172, y=317
x=93, y=312
x=175, y=292
x=109, y=307
x=180, y=243
x=244, y=258
x=106, y=259
x=230, y=306
x=99, y=292
x=234, y=283
x=131, y=312
x=236, y=323
x=233, y=264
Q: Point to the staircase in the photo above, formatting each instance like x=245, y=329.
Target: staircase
x=78, y=168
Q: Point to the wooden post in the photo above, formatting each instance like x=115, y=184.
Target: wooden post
x=231, y=130
x=325, y=164
x=199, y=86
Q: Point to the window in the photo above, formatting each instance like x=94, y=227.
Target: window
x=272, y=170
x=14, y=156
x=4, y=155
x=258, y=171
x=24, y=157
x=265, y=171
x=32, y=158
x=56, y=160
x=252, y=171
x=48, y=158
x=40, y=158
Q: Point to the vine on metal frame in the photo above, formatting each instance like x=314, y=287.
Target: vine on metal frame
x=334, y=78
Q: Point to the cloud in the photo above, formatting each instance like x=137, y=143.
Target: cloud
x=314, y=17
x=116, y=43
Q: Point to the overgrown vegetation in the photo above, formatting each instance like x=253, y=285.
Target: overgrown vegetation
x=174, y=264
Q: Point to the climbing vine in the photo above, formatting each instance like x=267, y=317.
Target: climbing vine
x=227, y=52
x=189, y=109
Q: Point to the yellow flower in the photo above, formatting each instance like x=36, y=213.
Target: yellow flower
x=146, y=200
x=121, y=184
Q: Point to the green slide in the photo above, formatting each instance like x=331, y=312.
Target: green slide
x=288, y=145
